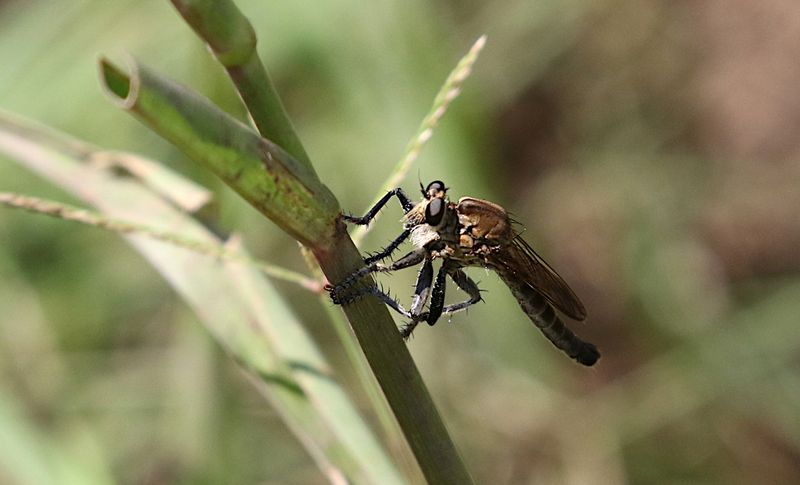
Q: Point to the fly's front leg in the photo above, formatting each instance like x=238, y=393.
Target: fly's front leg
x=398, y=192
x=410, y=259
x=421, y=291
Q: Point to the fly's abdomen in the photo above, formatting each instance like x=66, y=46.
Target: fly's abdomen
x=544, y=317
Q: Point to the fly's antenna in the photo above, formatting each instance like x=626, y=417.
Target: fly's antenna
x=419, y=178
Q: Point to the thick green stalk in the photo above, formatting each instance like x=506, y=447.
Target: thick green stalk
x=286, y=191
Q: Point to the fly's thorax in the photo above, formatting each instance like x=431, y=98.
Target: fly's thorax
x=483, y=221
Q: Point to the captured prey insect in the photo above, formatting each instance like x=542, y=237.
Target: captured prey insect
x=471, y=232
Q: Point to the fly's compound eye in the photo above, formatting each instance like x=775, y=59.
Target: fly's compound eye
x=433, y=189
x=434, y=212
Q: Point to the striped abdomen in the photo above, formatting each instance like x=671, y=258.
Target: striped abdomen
x=544, y=317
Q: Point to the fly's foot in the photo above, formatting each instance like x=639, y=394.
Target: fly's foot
x=334, y=294
x=354, y=219
x=407, y=329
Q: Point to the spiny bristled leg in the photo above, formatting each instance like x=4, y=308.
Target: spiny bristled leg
x=390, y=301
x=464, y=282
x=388, y=250
x=407, y=329
x=338, y=292
x=422, y=290
x=468, y=286
x=437, y=305
x=366, y=218
x=437, y=295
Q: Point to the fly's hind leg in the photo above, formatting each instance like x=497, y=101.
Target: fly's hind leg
x=437, y=295
x=340, y=294
x=437, y=304
x=422, y=288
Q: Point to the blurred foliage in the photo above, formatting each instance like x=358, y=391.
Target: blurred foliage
x=649, y=147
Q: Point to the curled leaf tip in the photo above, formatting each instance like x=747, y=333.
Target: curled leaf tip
x=122, y=87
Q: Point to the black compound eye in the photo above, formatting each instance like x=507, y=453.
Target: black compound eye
x=435, y=186
x=434, y=212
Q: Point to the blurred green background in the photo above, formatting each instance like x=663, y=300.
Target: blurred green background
x=651, y=149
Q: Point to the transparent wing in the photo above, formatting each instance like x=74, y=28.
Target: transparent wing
x=523, y=262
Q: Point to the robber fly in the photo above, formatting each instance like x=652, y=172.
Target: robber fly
x=471, y=232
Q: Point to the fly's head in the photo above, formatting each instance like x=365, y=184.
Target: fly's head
x=435, y=203
x=435, y=189
x=433, y=216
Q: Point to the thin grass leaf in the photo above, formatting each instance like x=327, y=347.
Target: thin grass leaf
x=246, y=315
x=447, y=93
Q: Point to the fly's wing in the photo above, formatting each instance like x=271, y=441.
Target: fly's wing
x=522, y=261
